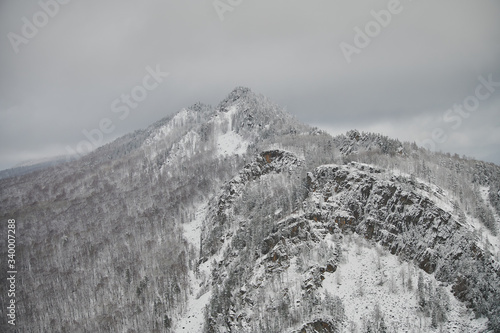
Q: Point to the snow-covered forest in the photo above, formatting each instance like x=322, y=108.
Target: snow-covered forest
x=239, y=218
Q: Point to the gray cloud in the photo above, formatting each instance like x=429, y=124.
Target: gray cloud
x=427, y=59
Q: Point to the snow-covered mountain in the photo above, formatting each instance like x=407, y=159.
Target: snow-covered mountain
x=238, y=218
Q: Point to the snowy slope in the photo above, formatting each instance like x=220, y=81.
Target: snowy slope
x=371, y=276
x=199, y=294
x=227, y=140
x=231, y=143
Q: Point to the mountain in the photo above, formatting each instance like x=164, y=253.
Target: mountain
x=239, y=218
x=31, y=166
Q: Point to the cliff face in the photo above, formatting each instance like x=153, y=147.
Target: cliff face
x=256, y=246
x=399, y=214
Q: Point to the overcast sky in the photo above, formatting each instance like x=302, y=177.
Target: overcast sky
x=62, y=77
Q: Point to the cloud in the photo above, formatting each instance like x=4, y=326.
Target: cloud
x=65, y=78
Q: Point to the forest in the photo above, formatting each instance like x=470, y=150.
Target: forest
x=102, y=248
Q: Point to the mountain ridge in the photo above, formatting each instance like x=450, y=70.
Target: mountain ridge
x=301, y=228
x=163, y=221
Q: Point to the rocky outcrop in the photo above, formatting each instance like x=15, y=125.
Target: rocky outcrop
x=318, y=326
x=410, y=225
x=267, y=162
x=397, y=212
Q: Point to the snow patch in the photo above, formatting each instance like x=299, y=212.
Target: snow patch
x=231, y=143
x=199, y=293
x=194, y=319
x=228, y=142
x=192, y=230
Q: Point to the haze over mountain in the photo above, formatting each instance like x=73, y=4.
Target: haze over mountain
x=403, y=84
x=240, y=218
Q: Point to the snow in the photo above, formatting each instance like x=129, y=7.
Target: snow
x=199, y=296
x=177, y=121
x=490, y=238
x=445, y=200
x=361, y=281
x=186, y=146
x=440, y=197
x=192, y=230
x=369, y=276
x=228, y=142
x=361, y=285
x=485, y=191
x=193, y=320
x=200, y=293
x=231, y=143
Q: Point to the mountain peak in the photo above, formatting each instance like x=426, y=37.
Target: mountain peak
x=235, y=95
x=240, y=91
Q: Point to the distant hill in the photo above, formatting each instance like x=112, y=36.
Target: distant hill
x=31, y=166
